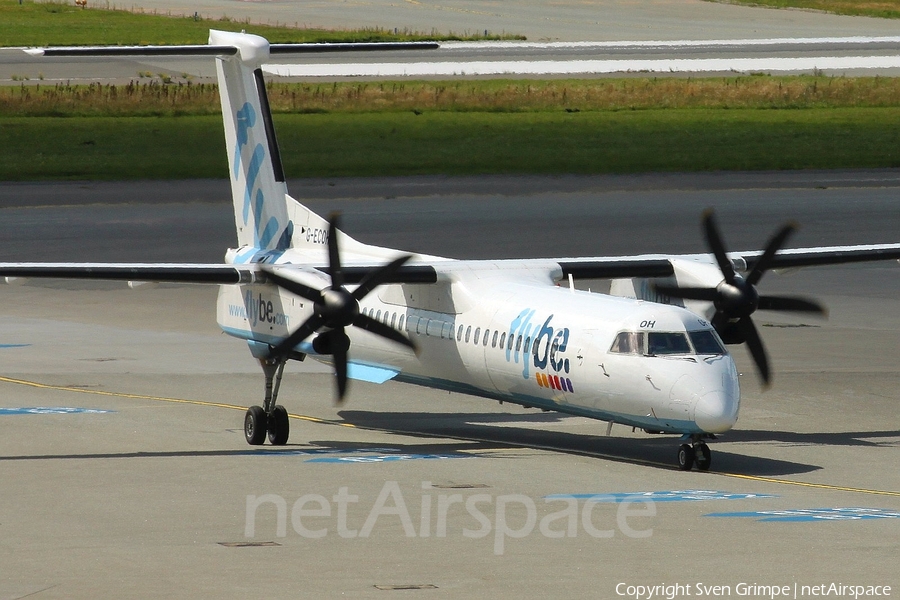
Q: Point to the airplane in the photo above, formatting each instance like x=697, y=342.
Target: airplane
x=651, y=354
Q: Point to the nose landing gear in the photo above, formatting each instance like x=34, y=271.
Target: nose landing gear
x=270, y=419
x=696, y=453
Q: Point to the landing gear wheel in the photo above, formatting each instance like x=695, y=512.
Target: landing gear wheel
x=255, y=425
x=685, y=457
x=279, y=426
x=703, y=457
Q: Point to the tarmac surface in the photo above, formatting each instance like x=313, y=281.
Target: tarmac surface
x=125, y=472
x=565, y=20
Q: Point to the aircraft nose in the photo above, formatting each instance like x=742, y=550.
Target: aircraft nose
x=716, y=412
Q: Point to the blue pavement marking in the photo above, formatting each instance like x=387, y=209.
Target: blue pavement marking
x=14, y=345
x=808, y=515
x=312, y=451
x=664, y=496
x=383, y=458
x=53, y=410
x=369, y=455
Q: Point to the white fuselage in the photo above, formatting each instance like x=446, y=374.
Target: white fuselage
x=511, y=335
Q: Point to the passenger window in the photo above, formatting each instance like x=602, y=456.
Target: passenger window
x=487, y=334
x=706, y=342
x=628, y=342
x=527, y=345
x=660, y=343
x=378, y=316
x=477, y=333
x=468, y=331
x=459, y=334
x=494, y=340
x=400, y=324
x=534, y=346
x=518, y=343
x=503, y=340
x=393, y=319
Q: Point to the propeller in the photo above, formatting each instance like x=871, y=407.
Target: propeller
x=335, y=308
x=736, y=297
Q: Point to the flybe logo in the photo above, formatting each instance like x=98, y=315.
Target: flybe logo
x=257, y=309
x=542, y=347
x=265, y=226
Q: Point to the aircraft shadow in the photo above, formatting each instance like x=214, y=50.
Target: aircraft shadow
x=493, y=428
x=838, y=438
x=159, y=454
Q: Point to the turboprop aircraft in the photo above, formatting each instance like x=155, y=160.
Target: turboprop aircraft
x=651, y=354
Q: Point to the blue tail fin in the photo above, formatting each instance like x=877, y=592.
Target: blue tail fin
x=258, y=189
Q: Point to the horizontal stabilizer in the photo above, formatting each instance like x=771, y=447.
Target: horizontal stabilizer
x=227, y=50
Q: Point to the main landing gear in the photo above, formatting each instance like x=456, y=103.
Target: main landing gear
x=696, y=453
x=270, y=419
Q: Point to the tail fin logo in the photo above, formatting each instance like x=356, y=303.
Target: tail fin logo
x=265, y=229
x=245, y=119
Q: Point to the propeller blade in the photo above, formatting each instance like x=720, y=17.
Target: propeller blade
x=789, y=304
x=334, y=256
x=774, y=245
x=714, y=241
x=757, y=350
x=385, y=331
x=295, y=287
x=376, y=278
x=688, y=293
x=340, y=370
x=720, y=321
x=306, y=329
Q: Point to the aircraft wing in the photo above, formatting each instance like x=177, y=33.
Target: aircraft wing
x=834, y=255
x=617, y=267
x=190, y=272
x=661, y=265
x=158, y=272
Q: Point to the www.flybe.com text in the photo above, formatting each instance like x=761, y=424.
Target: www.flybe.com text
x=256, y=309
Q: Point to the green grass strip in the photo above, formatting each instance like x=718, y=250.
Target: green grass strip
x=322, y=145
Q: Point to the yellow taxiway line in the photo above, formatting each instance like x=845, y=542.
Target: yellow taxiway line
x=62, y=388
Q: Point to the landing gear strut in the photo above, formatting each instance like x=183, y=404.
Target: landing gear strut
x=270, y=419
x=696, y=453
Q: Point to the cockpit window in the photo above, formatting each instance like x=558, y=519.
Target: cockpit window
x=628, y=342
x=706, y=342
x=659, y=342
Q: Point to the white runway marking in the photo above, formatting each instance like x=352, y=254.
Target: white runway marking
x=582, y=67
x=672, y=63
x=510, y=45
